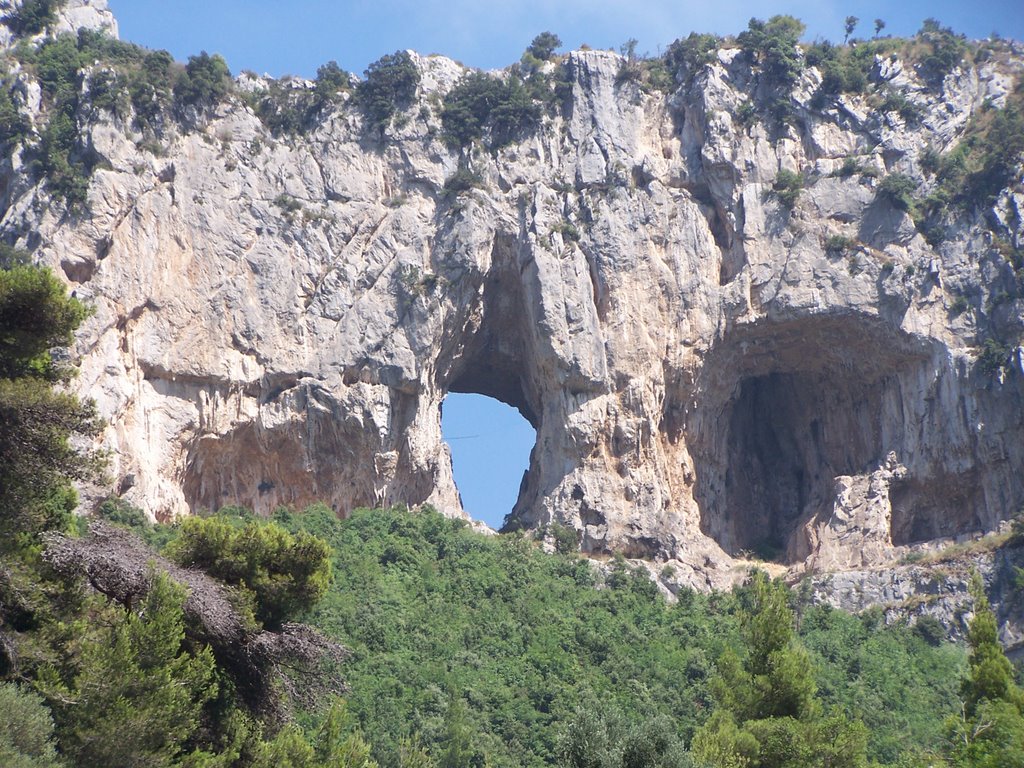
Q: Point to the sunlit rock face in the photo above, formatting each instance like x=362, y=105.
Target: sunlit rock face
x=278, y=319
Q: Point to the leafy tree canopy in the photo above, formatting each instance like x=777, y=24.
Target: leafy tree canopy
x=390, y=85
x=773, y=44
x=284, y=573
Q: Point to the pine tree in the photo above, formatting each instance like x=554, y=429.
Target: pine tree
x=768, y=715
x=139, y=693
x=989, y=732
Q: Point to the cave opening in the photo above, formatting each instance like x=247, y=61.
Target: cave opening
x=490, y=444
x=787, y=408
x=788, y=436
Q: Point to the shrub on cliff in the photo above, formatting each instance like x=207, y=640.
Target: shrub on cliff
x=543, y=46
x=481, y=105
x=772, y=44
x=390, y=85
x=205, y=81
x=788, y=186
x=944, y=50
x=686, y=57
x=32, y=17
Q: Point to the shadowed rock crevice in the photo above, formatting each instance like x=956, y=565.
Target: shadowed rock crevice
x=936, y=508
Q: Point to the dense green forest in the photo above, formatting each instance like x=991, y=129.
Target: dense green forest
x=401, y=638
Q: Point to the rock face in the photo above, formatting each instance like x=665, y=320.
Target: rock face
x=278, y=320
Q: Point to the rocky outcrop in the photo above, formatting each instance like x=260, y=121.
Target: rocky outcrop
x=277, y=321
x=938, y=587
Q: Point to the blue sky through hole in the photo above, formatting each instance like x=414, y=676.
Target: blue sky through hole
x=490, y=444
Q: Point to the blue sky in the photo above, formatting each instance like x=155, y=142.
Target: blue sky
x=490, y=444
x=296, y=36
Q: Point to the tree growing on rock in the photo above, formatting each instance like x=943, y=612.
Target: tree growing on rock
x=848, y=26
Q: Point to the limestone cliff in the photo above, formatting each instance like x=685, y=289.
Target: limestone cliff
x=710, y=371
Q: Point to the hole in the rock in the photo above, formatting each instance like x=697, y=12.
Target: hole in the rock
x=787, y=407
x=789, y=435
x=490, y=443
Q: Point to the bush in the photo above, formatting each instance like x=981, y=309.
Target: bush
x=14, y=126
x=959, y=306
x=686, y=57
x=899, y=189
x=788, y=186
x=773, y=45
x=481, y=105
x=896, y=101
x=150, y=87
x=390, y=85
x=32, y=17
x=840, y=244
x=284, y=573
x=944, y=50
x=331, y=82
x=205, y=81
x=994, y=357
x=463, y=180
x=850, y=167
x=285, y=109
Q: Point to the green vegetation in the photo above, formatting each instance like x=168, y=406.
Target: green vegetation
x=543, y=46
x=463, y=180
x=457, y=633
x=289, y=110
x=994, y=356
x=686, y=57
x=205, y=81
x=943, y=50
x=841, y=244
x=788, y=186
x=37, y=461
x=281, y=574
x=989, y=730
x=390, y=85
x=128, y=77
x=32, y=17
x=481, y=105
x=26, y=730
x=137, y=695
x=772, y=45
x=899, y=189
x=769, y=715
x=984, y=162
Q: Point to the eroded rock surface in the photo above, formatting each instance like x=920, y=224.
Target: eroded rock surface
x=277, y=320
